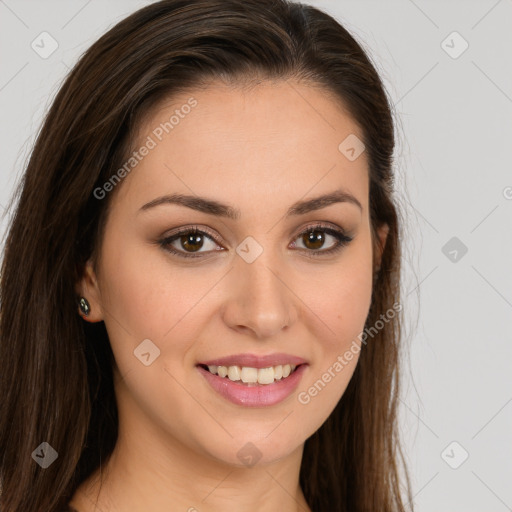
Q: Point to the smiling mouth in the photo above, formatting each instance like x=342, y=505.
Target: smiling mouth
x=252, y=376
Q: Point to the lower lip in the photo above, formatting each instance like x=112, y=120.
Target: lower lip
x=259, y=395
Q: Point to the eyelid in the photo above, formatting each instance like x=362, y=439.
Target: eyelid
x=320, y=224
x=190, y=229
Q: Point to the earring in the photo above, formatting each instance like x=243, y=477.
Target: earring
x=84, y=306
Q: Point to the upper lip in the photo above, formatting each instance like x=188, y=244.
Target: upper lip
x=255, y=361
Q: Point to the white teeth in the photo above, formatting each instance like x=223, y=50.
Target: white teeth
x=251, y=375
x=266, y=375
x=234, y=373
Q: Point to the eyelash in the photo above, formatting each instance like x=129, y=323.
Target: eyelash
x=340, y=236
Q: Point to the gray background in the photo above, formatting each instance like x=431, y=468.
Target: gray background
x=453, y=165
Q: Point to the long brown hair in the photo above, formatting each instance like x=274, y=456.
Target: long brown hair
x=56, y=371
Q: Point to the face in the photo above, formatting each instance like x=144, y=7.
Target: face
x=269, y=278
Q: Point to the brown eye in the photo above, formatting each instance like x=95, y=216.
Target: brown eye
x=192, y=242
x=189, y=241
x=315, y=237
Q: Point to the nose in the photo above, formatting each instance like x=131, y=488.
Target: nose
x=259, y=301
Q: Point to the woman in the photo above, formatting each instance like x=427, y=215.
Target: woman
x=200, y=286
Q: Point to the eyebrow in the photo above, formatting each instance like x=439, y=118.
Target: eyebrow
x=212, y=207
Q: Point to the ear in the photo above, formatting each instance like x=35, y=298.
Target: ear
x=382, y=235
x=88, y=288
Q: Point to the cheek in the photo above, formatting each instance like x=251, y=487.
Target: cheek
x=341, y=297
x=150, y=295
x=147, y=298
x=342, y=304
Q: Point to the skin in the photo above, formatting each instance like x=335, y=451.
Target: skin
x=259, y=150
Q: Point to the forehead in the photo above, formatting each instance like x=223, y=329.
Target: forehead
x=260, y=144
